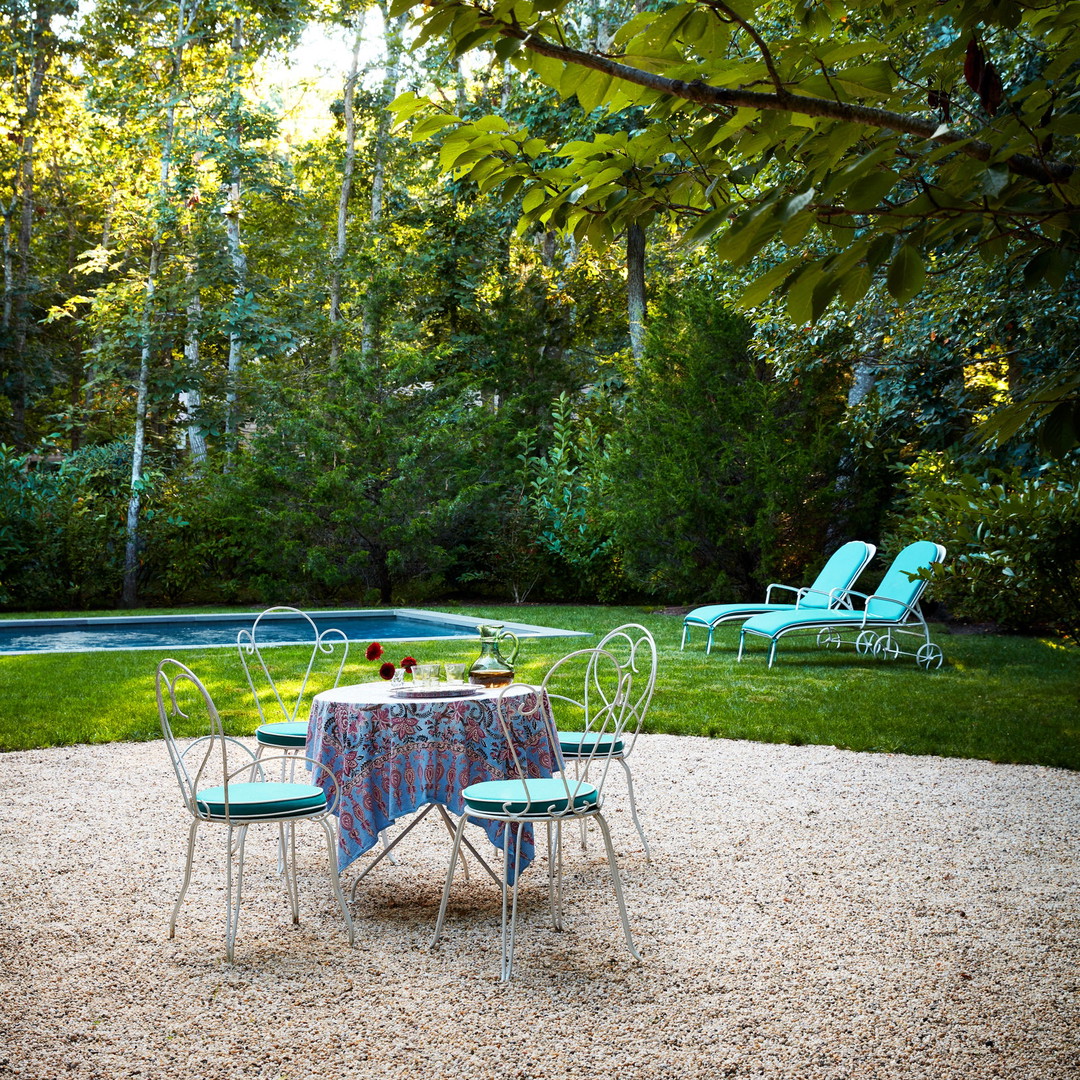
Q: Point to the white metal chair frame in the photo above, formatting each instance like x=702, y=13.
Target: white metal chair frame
x=324, y=644
x=570, y=799
x=631, y=637
x=208, y=750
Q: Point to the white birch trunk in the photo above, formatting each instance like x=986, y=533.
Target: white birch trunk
x=184, y=18
x=237, y=256
x=191, y=400
x=635, y=288
x=394, y=31
x=341, y=247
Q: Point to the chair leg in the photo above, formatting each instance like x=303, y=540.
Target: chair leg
x=633, y=807
x=685, y=629
x=508, y=940
x=335, y=878
x=287, y=859
x=554, y=846
x=232, y=909
x=614, y=867
x=449, y=881
x=187, y=876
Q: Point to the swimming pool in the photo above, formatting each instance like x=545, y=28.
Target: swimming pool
x=18, y=636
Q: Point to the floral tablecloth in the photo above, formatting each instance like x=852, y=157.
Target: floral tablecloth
x=391, y=757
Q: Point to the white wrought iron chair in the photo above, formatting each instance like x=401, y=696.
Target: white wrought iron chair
x=284, y=732
x=223, y=782
x=635, y=650
x=554, y=800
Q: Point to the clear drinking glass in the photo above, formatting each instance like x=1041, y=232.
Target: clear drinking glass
x=425, y=674
x=455, y=673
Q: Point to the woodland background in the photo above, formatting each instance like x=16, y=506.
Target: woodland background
x=266, y=339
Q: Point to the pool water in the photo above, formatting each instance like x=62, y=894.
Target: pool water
x=209, y=631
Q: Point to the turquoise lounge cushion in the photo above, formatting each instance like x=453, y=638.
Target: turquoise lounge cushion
x=836, y=578
x=545, y=796
x=289, y=734
x=262, y=799
x=776, y=621
x=714, y=613
x=897, y=585
x=581, y=743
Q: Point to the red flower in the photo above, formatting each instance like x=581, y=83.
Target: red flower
x=374, y=651
x=408, y=664
x=387, y=671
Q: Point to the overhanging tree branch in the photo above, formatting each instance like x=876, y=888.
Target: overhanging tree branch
x=712, y=97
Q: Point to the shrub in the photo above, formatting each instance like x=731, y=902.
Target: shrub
x=720, y=477
x=1012, y=539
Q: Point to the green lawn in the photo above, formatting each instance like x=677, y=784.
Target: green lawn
x=1009, y=699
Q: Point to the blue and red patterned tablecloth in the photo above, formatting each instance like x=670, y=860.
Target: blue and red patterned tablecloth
x=391, y=757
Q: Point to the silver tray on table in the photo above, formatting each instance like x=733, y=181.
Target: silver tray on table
x=465, y=690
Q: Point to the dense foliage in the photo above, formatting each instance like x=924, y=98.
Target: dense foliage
x=244, y=357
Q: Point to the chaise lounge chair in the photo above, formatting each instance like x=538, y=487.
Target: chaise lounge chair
x=891, y=612
x=829, y=590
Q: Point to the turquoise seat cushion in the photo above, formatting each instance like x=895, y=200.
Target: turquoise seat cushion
x=290, y=734
x=262, y=799
x=545, y=796
x=718, y=613
x=582, y=743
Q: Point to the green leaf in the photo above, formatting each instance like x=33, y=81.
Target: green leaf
x=505, y=47
x=823, y=294
x=995, y=179
x=855, y=283
x=800, y=294
x=868, y=191
x=706, y=226
x=797, y=203
x=906, y=275
x=591, y=90
x=881, y=248
x=548, y=70
x=430, y=125
x=763, y=286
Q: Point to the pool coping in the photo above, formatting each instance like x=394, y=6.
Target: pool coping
x=527, y=630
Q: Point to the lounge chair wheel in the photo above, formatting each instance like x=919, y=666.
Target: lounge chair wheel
x=866, y=642
x=828, y=637
x=886, y=648
x=929, y=656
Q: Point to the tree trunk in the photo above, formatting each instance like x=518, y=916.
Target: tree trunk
x=191, y=399
x=17, y=260
x=341, y=247
x=184, y=19
x=635, y=288
x=237, y=256
x=394, y=30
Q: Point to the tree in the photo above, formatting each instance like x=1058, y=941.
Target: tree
x=896, y=140
x=30, y=53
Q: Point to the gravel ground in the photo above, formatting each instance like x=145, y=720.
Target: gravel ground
x=809, y=913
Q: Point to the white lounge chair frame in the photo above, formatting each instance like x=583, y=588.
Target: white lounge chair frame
x=838, y=597
x=869, y=634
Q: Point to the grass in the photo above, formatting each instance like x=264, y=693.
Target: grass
x=999, y=698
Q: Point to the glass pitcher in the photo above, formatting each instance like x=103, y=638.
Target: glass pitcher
x=491, y=668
